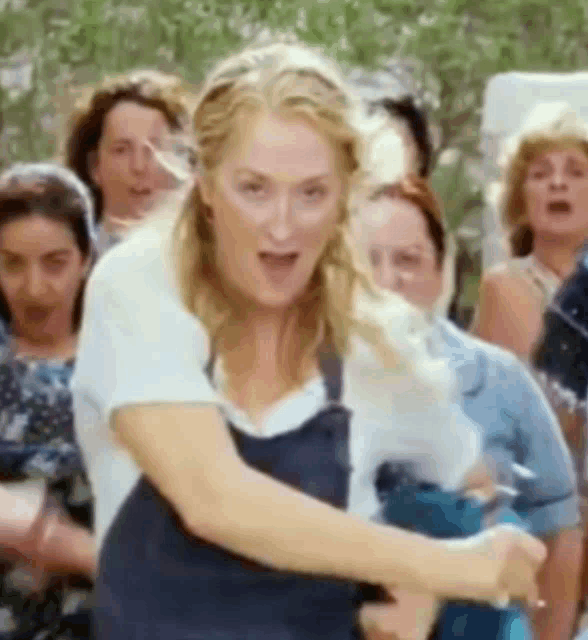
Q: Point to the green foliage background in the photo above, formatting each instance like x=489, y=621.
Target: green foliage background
x=449, y=48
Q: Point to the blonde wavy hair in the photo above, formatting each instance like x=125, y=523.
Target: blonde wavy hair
x=512, y=201
x=295, y=81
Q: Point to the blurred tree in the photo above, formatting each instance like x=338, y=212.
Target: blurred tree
x=445, y=50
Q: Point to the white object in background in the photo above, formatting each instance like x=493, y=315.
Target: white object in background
x=509, y=97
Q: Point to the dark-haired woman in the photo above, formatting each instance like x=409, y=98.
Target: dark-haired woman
x=110, y=141
x=47, y=556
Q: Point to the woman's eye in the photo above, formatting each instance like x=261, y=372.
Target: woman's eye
x=252, y=188
x=314, y=193
x=119, y=150
x=537, y=174
x=55, y=265
x=579, y=172
x=375, y=258
x=11, y=264
x=408, y=259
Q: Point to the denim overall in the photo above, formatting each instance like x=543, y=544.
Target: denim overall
x=158, y=582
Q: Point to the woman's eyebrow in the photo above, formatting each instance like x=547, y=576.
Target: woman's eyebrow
x=262, y=176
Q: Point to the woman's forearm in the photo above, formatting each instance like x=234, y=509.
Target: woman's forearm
x=264, y=520
x=223, y=500
x=559, y=586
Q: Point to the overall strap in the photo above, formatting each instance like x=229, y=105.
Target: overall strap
x=209, y=368
x=330, y=364
x=331, y=367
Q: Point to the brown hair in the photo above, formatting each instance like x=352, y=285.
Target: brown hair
x=514, y=213
x=84, y=130
x=419, y=192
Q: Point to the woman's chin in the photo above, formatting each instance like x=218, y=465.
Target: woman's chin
x=276, y=300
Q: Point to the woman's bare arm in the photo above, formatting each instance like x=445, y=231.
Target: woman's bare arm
x=189, y=455
x=509, y=315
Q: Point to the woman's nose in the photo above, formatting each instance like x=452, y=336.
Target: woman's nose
x=280, y=226
x=141, y=158
x=559, y=181
x=390, y=277
x=35, y=283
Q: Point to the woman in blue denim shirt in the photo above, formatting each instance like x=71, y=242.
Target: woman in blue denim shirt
x=402, y=231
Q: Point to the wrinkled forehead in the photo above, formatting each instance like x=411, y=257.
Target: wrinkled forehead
x=392, y=223
x=285, y=148
x=134, y=121
x=550, y=150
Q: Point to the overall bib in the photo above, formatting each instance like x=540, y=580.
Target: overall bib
x=158, y=582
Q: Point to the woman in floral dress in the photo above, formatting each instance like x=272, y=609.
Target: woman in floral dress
x=47, y=552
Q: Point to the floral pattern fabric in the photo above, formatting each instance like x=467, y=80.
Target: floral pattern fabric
x=37, y=441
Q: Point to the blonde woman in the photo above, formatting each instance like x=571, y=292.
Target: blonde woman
x=219, y=394
x=544, y=200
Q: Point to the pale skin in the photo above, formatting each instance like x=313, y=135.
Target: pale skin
x=508, y=315
x=402, y=254
x=279, y=187
x=124, y=167
x=41, y=267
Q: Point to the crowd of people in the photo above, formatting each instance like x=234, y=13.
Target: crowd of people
x=231, y=403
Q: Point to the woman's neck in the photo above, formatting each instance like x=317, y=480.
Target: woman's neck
x=255, y=378
x=62, y=346
x=557, y=255
x=119, y=222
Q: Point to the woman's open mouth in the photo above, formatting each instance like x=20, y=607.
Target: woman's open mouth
x=559, y=207
x=140, y=193
x=278, y=266
x=36, y=314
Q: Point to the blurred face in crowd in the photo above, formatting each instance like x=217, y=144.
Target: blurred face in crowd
x=124, y=167
x=400, y=250
x=274, y=204
x=41, y=272
x=556, y=193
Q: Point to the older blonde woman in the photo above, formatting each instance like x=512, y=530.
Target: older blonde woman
x=544, y=202
x=219, y=393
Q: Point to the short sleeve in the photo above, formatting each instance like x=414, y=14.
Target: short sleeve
x=550, y=501
x=139, y=346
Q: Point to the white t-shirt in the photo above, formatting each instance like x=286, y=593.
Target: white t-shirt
x=138, y=345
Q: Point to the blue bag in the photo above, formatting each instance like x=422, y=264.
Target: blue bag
x=427, y=509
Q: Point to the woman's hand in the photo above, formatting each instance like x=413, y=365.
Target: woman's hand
x=495, y=566
x=410, y=617
x=55, y=544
